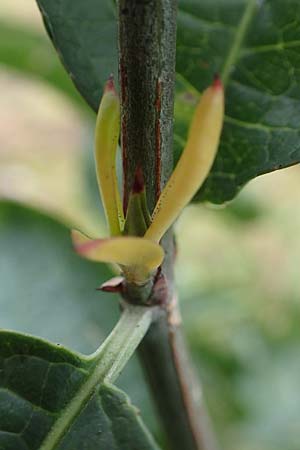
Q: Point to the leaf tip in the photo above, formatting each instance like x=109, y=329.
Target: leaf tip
x=84, y=245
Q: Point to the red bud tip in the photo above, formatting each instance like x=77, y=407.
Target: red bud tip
x=83, y=248
x=110, y=84
x=217, y=83
x=114, y=285
x=138, y=184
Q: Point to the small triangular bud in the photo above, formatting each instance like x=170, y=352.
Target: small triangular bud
x=138, y=183
x=114, y=285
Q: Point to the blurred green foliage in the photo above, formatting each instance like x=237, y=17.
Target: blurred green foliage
x=237, y=279
x=28, y=51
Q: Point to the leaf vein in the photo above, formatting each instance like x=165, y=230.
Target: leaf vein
x=238, y=39
x=259, y=126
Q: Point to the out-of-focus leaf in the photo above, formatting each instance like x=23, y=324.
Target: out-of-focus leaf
x=84, y=35
x=239, y=286
x=43, y=159
x=252, y=44
x=270, y=395
x=49, y=291
x=39, y=380
x=43, y=282
x=28, y=51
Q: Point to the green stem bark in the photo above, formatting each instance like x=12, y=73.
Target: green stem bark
x=176, y=389
x=147, y=43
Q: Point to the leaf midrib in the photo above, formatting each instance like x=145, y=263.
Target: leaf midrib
x=238, y=39
x=106, y=364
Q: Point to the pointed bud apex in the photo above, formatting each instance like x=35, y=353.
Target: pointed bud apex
x=138, y=183
x=217, y=83
x=114, y=285
x=137, y=214
x=110, y=85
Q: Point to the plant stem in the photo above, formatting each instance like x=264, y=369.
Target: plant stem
x=147, y=43
x=103, y=366
x=114, y=353
x=176, y=389
x=147, y=32
x=118, y=347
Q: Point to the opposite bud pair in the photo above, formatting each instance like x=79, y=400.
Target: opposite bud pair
x=139, y=257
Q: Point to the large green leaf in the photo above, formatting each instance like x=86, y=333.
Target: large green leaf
x=43, y=282
x=253, y=44
x=49, y=291
x=46, y=289
x=84, y=34
x=37, y=382
x=255, y=47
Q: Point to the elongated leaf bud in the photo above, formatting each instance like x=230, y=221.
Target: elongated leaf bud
x=139, y=256
x=106, y=143
x=194, y=164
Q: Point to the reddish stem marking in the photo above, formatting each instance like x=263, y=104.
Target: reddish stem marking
x=158, y=138
x=123, y=82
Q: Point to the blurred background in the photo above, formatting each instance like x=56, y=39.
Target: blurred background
x=237, y=267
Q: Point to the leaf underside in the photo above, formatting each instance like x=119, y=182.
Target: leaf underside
x=37, y=380
x=253, y=45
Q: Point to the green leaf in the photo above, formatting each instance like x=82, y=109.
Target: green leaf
x=84, y=34
x=252, y=44
x=47, y=290
x=38, y=380
x=28, y=51
x=27, y=165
